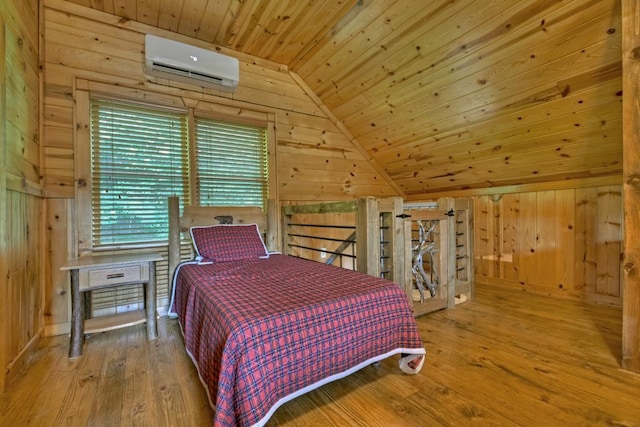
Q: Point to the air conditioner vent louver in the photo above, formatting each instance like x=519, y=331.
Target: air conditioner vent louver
x=176, y=61
x=186, y=73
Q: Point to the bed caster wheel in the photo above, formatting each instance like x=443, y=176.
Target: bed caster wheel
x=411, y=363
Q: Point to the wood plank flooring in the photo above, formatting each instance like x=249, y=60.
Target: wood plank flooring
x=506, y=359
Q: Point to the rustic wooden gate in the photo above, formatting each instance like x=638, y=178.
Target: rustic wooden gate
x=438, y=242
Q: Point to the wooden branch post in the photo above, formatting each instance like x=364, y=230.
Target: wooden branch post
x=460, y=241
x=466, y=205
x=368, y=236
x=448, y=253
x=390, y=208
x=273, y=240
x=174, y=238
x=408, y=259
x=285, y=221
x=631, y=184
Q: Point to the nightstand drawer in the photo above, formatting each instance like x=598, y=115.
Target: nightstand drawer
x=111, y=276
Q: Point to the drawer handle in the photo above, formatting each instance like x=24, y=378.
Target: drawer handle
x=115, y=276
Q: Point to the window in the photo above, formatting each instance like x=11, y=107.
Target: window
x=140, y=156
x=231, y=163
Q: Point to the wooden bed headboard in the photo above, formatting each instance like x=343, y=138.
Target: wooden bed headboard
x=210, y=215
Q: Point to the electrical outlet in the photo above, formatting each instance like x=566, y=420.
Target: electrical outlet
x=323, y=253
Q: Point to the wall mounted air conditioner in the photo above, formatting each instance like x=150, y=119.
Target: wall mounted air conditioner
x=169, y=59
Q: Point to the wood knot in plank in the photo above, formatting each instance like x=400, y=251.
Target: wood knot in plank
x=635, y=53
x=633, y=181
x=628, y=267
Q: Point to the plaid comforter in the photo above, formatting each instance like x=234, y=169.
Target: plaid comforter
x=264, y=331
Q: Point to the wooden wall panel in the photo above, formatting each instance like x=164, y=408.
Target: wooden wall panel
x=545, y=213
x=57, y=306
x=527, y=239
x=22, y=88
x=565, y=247
x=585, y=243
x=482, y=245
x=25, y=294
x=510, y=243
x=21, y=280
x=609, y=241
x=4, y=244
x=631, y=185
x=558, y=242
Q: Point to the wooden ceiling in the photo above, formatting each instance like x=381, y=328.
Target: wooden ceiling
x=444, y=95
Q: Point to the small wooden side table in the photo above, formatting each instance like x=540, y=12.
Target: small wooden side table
x=89, y=273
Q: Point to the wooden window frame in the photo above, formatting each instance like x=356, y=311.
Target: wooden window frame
x=87, y=90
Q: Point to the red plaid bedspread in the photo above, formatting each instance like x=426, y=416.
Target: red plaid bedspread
x=260, y=331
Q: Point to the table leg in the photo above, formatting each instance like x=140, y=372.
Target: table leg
x=77, y=317
x=86, y=300
x=150, y=302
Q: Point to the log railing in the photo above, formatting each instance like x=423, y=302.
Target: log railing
x=426, y=250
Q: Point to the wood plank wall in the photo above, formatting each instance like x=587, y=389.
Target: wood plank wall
x=83, y=43
x=21, y=284
x=631, y=186
x=313, y=151
x=565, y=243
x=4, y=248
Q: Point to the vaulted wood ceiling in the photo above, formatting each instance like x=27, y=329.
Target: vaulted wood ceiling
x=443, y=94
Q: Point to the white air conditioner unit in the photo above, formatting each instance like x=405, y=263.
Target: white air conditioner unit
x=181, y=62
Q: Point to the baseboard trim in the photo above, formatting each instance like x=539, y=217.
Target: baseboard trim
x=21, y=362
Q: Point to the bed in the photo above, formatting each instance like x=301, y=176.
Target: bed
x=263, y=328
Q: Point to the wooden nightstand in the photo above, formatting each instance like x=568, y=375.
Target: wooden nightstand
x=97, y=272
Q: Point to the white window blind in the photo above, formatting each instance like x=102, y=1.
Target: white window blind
x=231, y=163
x=139, y=158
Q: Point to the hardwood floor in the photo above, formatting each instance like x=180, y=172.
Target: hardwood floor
x=507, y=358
